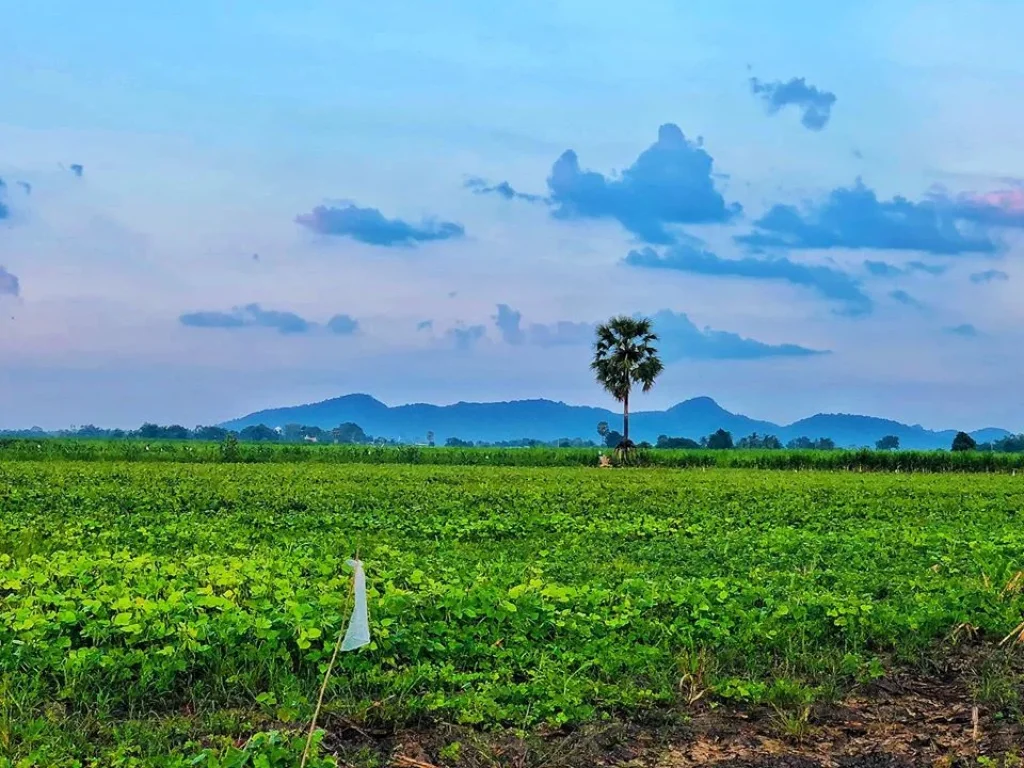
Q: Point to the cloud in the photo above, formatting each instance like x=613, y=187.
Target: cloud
x=966, y=330
x=369, y=225
x=342, y=325
x=249, y=316
x=1001, y=208
x=4, y=210
x=508, y=321
x=26, y=187
x=826, y=281
x=9, y=285
x=884, y=269
x=816, y=105
x=671, y=182
x=679, y=338
x=425, y=325
x=76, y=169
x=905, y=299
x=989, y=276
x=465, y=338
x=502, y=189
x=854, y=217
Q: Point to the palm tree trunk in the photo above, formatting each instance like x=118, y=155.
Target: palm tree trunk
x=625, y=418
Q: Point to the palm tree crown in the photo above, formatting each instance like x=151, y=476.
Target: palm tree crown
x=624, y=355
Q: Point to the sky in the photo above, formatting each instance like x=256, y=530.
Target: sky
x=212, y=208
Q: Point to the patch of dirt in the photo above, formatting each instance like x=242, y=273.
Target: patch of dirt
x=901, y=721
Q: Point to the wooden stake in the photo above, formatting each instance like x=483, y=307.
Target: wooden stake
x=327, y=677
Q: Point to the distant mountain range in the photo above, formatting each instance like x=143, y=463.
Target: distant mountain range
x=547, y=420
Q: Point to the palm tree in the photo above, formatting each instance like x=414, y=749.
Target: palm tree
x=624, y=355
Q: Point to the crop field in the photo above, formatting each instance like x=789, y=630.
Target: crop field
x=164, y=613
x=203, y=452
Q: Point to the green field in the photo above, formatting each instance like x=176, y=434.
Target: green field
x=200, y=452
x=159, y=612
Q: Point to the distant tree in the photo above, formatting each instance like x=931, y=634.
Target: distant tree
x=750, y=441
x=1009, y=444
x=624, y=355
x=771, y=443
x=430, y=439
x=259, y=433
x=150, y=431
x=314, y=433
x=800, y=444
x=888, y=443
x=214, y=434
x=349, y=434
x=613, y=439
x=454, y=442
x=602, y=428
x=720, y=440
x=676, y=442
x=293, y=433
x=644, y=444
x=964, y=442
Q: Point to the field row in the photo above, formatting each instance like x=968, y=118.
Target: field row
x=199, y=452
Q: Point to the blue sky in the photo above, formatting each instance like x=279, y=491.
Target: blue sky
x=212, y=208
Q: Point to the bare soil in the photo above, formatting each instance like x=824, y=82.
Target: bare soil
x=905, y=719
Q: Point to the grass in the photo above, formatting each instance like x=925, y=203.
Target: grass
x=159, y=612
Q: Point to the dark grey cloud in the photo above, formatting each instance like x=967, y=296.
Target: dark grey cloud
x=854, y=217
x=679, y=338
x=465, y=337
x=249, y=316
x=966, y=329
x=815, y=105
x=885, y=269
x=502, y=189
x=343, y=325
x=671, y=182
x=904, y=298
x=830, y=283
x=9, y=285
x=509, y=324
x=989, y=276
x=369, y=225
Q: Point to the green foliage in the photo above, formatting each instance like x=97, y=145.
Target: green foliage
x=964, y=442
x=718, y=441
x=133, y=592
x=624, y=357
x=888, y=443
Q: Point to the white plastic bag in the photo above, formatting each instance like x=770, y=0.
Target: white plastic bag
x=358, y=633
